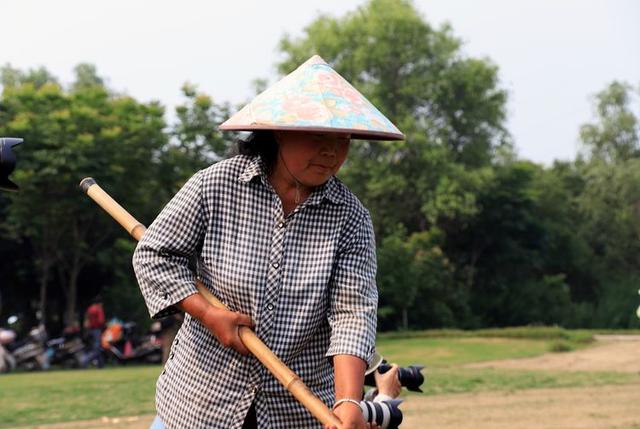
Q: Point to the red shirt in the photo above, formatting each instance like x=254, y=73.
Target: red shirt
x=95, y=316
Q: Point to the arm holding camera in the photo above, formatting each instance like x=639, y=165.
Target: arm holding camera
x=387, y=385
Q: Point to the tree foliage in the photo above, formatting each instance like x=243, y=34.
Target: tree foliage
x=468, y=235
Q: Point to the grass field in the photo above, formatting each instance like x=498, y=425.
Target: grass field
x=55, y=396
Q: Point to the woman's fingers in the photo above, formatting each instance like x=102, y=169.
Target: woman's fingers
x=244, y=320
x=241, y=320
x=238, y=345
x=225, y=325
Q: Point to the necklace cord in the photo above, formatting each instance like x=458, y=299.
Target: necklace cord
x=297, y=196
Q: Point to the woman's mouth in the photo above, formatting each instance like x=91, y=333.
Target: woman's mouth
x=324, y=166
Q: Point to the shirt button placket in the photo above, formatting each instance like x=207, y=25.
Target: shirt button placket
x=274, y=275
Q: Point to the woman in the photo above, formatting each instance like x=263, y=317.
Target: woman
x=288, y=249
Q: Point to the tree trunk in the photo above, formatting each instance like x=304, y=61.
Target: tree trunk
x=76, y=262
x=70, y=316
x=44, y=280
x=405, y=319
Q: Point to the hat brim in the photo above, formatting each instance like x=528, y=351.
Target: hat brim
x=355, y=134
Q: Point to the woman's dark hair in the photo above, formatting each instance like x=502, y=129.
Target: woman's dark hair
x=260, y=143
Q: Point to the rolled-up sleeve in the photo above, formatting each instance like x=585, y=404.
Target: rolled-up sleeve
x=353, y=295
x=161, y=259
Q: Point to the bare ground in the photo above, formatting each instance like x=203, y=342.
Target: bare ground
x=603, y=407
x=599, y=407
x=610, y=353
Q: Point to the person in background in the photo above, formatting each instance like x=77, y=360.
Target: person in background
x=94, y=321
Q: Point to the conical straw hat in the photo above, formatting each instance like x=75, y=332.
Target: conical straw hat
x=314, y=98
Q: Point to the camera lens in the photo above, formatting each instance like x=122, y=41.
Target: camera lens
x=385, y=414
x=410, y=377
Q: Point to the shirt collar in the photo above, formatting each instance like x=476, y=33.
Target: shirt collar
x=254, y=169
x=330, y=190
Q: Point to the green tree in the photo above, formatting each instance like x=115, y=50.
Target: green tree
x=415, y=74
x=609, y=205
x=452, y=112
x=86, y=77
x=610, y=223
x=71, y=134
x=195, y=141
x=614, y=137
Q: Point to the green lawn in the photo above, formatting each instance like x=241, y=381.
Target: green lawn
x=47, y=397
x=445, y=352
x=443, y=357
x=462, y=380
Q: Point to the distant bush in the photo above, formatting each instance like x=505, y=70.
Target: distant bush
x=578, y=336
x=561, y=346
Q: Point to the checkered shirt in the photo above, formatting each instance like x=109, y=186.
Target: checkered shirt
x=306, y=279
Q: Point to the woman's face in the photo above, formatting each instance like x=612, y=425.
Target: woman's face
x=312, y=158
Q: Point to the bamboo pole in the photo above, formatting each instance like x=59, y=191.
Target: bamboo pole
x=280, y=371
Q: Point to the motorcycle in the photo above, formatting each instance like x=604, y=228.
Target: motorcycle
x=7, y=361
x=68, y=351
x=123, y=346
x=29, y=353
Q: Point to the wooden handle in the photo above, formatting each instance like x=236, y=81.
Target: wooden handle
x=97, y=194
x=280, y=371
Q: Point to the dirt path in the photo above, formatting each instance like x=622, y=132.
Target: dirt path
x=603, y=407
x=600, y=407
x=610, y=353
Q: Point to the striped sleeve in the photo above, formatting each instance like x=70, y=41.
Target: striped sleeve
x=354, y=296
x=161, y=258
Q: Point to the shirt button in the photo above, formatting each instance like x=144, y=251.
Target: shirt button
x=171, y=356
x=270, y=307
x=276, y=265
x=165, y=296
x=281, y=225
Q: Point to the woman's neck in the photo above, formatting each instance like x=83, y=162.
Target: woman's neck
x=289, y=189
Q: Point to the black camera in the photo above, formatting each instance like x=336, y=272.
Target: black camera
x=7, y=162
x=410, y=377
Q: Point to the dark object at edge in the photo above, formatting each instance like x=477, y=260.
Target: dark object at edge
x=7, y=162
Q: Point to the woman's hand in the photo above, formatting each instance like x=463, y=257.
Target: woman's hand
x=388, y=383
x=225, y=326
x=351, y=417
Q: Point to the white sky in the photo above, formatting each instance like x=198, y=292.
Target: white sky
x=553, y=55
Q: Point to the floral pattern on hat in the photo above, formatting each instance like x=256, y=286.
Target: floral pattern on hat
x=314, y=97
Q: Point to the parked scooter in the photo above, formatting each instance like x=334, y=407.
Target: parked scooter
x=122, y=346
x=29, y=353
x=68, y=351
x=7, y=361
